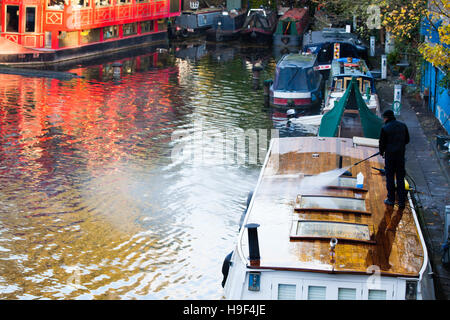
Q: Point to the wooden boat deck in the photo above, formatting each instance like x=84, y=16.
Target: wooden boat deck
x=392, y=241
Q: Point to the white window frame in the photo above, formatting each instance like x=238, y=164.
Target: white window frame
x=298, y=287
x=382, y=285
x=334, y=289
x=316, y=283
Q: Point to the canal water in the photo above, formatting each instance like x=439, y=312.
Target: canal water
x=107, y=185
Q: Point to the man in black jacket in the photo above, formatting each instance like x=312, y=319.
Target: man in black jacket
x=394, y=137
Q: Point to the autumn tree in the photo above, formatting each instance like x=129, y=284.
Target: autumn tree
x=437, y=52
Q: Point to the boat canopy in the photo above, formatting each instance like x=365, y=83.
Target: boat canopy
x=352, y=99
x=295, y=72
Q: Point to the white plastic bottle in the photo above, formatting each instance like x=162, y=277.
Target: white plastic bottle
x=359, y=180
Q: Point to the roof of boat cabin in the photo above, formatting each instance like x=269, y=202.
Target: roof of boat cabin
x=353, y=71
x=294, y=14
x=295, y=229
x=330, y=35
x=297, y=60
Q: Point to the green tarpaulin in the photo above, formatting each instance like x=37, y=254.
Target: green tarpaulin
x=370, y=122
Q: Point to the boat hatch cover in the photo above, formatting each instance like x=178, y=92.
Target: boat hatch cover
x=317, y=230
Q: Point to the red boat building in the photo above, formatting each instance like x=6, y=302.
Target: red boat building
x=36, y=32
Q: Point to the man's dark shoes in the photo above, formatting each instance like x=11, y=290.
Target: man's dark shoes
x=389, y=202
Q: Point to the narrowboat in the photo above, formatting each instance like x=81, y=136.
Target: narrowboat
x=351, y=106
x=342, y=71
x=227, y=26
x=314, y=230
x=333, y=43
x=290, y=28
x=194, y=22
x=297, y=83
x=259, y=25
x=42, y=32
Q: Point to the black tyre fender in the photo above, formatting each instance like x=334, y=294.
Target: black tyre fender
x=226, y=268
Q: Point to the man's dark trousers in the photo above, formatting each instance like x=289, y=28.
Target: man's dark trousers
x=395, y=168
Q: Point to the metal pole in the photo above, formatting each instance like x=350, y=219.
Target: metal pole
x=372, y=46
x=383, y=67
x=447, y=222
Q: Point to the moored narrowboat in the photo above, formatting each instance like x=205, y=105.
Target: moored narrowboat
x=290, y=28
x=342, y=71
x=227, y=26
x=351, y=105
x=194, y=22
x=297, y=83
x=333, y=43
x=259, y=25
x=312, y=233
x=41, y=32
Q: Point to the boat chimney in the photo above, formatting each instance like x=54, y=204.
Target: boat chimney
x=253, y=244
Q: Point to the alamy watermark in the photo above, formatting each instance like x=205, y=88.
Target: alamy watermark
x=232, y=146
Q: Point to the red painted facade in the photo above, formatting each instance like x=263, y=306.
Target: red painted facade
x=46, y=23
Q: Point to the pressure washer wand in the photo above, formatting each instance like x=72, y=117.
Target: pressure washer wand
x=366, y=159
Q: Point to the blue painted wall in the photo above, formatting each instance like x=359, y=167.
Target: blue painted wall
x=439, y=99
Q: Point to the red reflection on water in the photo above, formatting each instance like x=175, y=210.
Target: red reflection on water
x=44, y=121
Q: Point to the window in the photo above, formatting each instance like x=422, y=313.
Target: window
x=129, y=29
x=332, y=203
x=377, y=294
x=147, y=26
x=122, y=2
x=103, y=3
x=67, y=39
x=81, y=3
x=12, y=18
x=307, y=229
x=174, y=6
x=290, y=79
x=366, y=85
x=142, y=1
x=346, y=294
x=110, y=32
x=91, y=35
x=55, y=4
x=344, y=182
x=162, y=24
x=286, y=291
x=30, y=19
x=338, y=85
x=48, y=39
x=316, y=293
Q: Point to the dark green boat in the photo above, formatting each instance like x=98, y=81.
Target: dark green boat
x=350, y=117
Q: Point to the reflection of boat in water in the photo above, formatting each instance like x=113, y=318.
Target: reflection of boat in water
x=290, y=28
x=296, y=84
x=42, y=33
x=221, y=51
x=311, y=233
x=227, y=26
x=259, y=25
x=191, y=51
